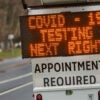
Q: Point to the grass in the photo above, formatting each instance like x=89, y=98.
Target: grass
x=10, y=53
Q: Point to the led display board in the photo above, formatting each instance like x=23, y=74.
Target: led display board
x=60, y=34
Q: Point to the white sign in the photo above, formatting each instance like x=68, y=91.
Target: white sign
x=70, y=71
x=10, y=36
x=66, y=71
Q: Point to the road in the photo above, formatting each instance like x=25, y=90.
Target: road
x=16, y=79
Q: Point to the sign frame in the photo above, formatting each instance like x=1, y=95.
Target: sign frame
x=58, y=10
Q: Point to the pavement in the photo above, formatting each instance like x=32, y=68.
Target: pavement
x=9, y=63
x=17, y=59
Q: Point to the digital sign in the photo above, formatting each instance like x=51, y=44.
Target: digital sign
x=60, y=34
